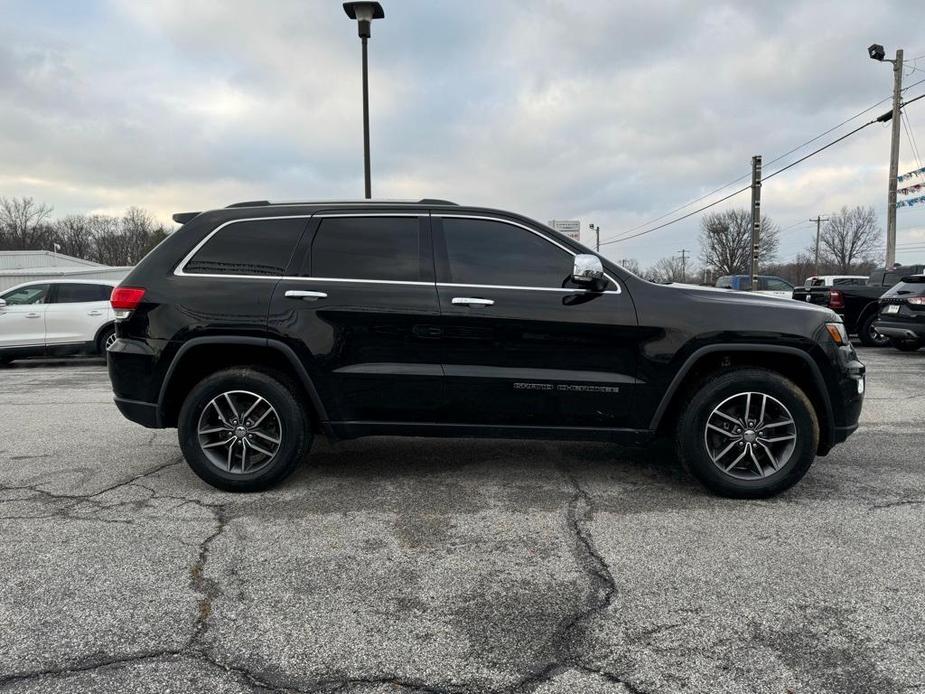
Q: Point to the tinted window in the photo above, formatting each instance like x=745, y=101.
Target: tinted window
x=850, y=281
x=76, y=293
x=368, y=248
x=484, y=252
x=910, y=286
x=776, y=284
x=33, y=294
x=261, y=247
x=891, y=278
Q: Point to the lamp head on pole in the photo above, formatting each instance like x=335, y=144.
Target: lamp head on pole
x=876, y=52
x=364, y=13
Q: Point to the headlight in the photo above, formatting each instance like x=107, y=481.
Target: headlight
x=837, y=333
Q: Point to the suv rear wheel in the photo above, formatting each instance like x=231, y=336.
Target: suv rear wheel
x=243, y=430
x=749, y=433
x=868, y=334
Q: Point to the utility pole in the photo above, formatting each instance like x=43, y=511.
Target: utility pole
x=597, y=236
x=818, y=220
x=756, y=218
x=683, y=253
x=894, y=160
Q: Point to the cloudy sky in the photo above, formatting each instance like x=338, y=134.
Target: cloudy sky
x=609, y=112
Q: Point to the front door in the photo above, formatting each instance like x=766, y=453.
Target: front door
x=359, y=306
x=524, y=345
x=22, y=320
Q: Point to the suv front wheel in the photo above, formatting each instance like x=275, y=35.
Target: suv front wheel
x=243, y=430
x=749, y=433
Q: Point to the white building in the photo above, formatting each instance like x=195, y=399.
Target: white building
x=17, y=267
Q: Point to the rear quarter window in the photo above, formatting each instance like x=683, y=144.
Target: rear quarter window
x=253, y=247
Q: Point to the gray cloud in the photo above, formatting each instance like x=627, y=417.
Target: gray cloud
x=611, y=112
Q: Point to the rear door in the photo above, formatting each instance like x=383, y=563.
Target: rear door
x=76, y=312
x=359, y=307
x=524, y=346
x=22, y=320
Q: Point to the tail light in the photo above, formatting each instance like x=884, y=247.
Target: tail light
x=917, y=300
x=836, y=299
x=124, y=300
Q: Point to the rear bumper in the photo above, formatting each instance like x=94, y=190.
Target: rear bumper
x=901, y=330
x=144, y=413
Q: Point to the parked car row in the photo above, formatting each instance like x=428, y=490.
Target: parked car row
x=56, y=317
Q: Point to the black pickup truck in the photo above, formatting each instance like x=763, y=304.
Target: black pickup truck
x=857, y=305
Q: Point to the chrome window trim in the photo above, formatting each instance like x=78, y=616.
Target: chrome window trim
x=179, y=271
x=568, y=290
x=512, y=223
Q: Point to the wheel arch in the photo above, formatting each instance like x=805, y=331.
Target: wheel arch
x=791, y=362
x=865, y=313
x=199, y=357
x=103, y=328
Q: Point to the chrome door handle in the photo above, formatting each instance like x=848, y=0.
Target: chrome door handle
x=94, y=313
x=33, y=315
x=471, y=301
x=305, y=295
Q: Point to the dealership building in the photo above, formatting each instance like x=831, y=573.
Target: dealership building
x=17, y=267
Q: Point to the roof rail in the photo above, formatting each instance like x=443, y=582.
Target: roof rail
x=265, y=203
x=251, y=203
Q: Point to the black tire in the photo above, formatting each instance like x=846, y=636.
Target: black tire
x=4, y=361
x=293, y=430
x=104, y=336
x=868, y=335
x=907, y=345
x=692, y=433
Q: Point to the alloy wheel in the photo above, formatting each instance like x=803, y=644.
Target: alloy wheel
x=239, y=432
x=750, y=435
x=110, y=339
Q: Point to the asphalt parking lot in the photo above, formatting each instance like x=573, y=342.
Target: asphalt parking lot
x=397, y=565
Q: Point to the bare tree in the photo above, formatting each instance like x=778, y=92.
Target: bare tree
x=726, y=241
x=667, y=269
x=23, y=224
x=632, y=265
x=849, y=236
x=74, y=236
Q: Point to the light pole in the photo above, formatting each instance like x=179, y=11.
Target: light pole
x=877, y=53
x=365, y=13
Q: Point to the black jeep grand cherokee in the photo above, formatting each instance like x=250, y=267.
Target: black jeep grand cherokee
x=255, y=327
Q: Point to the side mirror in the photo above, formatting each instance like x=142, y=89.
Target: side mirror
x=588, y=272
x=2, y=304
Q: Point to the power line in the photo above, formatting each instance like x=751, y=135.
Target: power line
x=742, y=190
x=742, y=178
x=911, y=138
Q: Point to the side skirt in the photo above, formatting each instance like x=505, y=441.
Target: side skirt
x=356, y=429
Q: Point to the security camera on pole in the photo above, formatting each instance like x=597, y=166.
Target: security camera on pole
x=876, y=52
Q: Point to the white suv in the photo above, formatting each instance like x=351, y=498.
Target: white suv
x=56, y=317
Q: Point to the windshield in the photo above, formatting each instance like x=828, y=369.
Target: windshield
x=909, y=286
x=33, y=294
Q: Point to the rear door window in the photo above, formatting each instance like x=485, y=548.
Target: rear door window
x=260, y=247
x=775, y=284
x=369, y=248
x=72, y=293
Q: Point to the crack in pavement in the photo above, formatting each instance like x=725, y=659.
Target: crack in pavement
x=568, y=640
